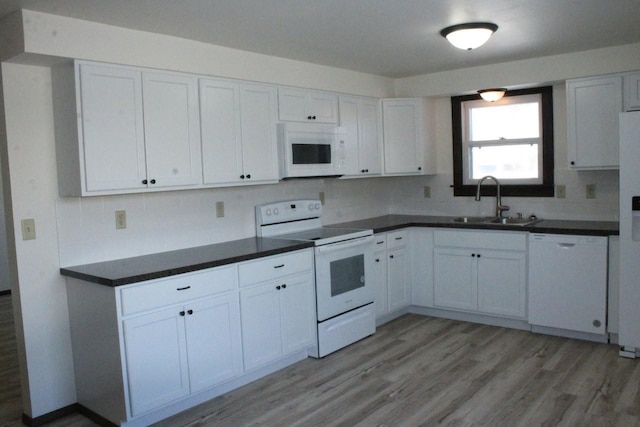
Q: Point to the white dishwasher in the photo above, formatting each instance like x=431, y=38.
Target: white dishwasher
x=568, y=282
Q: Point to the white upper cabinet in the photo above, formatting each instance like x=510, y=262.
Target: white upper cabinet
x=239, y=144
x=408, y=145
x=298, y=105
x=122, y=129
x=172, y=129
x=593, y=105
x=632, y=91
x=360, y=117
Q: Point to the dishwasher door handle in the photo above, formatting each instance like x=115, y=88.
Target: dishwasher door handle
x=566, y=245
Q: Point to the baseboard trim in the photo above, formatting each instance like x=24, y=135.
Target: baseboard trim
x=6, y=292
x=96, y=418
x=49, y=417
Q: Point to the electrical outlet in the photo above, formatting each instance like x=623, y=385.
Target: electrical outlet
x=561, y=191
x=427, y=192
x=219, y=209
x=121, y=220
x=28, y=229
x=590, y=191
x=321, y=197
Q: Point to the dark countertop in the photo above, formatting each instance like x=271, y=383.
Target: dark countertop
x=147, y=267
x=551, y=226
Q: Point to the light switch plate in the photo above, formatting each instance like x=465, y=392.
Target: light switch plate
x=321, y=197
x=28, y=229
x=219, y=209
x=590, y=191
x=427, y=192
x=561, y=191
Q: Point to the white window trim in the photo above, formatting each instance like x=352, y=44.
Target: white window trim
x=467, y=144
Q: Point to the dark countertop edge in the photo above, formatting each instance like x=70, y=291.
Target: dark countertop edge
x=570, y=227
x=180, y=270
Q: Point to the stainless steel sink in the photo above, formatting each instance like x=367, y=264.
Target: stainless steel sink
x=514, y=221
x=473, y=219
x=493, y=220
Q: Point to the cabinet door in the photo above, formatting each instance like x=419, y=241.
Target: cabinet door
x=112, y=128
x=401, y=136
x=593, y=106
x=631, y=92
x=349, y=120
x=156, y=359
x=292, y=105
x=502, y=283
x=172, y=130
x=422, y=267
x=258, y=111
x=398, y=278
x=455, y=278
x=380, y=276
x=368, y=138
x=214, y=343
x=261, y=333
x=297, y=304
x=323, y=107
x=221, y=136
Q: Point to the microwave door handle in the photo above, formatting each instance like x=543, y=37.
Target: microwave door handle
x=343, y=245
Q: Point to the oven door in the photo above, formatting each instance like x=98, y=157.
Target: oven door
x=343, y=280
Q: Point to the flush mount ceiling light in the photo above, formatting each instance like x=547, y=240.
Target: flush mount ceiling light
x=469, y=36
x=492, y=95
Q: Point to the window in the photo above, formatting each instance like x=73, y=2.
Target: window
x=511, y=139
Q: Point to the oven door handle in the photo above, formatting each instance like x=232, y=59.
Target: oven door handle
x=360, y=241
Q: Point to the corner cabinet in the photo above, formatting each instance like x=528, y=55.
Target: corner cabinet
x=407, y=130
x=239, y=141
x=359, y=116
x=392, y=272
x=122, y=129
x=593, y=106
x=483, y=272
x=300, y=105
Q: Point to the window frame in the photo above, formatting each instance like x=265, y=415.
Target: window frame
x=545, y=189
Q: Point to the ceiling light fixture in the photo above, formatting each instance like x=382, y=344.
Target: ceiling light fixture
x=469, y=36
x=492, y=95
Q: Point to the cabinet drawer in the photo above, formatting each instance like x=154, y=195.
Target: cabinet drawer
x=379, y=242
x=275, y=266
x=177, y=289
x=513, y=241
x=396, y=239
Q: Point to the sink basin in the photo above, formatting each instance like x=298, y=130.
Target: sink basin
x=473, y=219
x=514, y=221
x=493, y=220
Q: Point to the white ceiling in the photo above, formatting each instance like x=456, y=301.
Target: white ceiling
x=395, y=38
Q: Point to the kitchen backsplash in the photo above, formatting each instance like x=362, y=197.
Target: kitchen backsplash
x=165, y=221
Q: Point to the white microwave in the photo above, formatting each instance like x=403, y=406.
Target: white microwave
x=309, y=150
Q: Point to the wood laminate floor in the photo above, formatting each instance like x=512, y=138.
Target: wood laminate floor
x=419, y=371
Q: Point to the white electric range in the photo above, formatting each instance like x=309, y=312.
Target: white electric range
x=343, y=264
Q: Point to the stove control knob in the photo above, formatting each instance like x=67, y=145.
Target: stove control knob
x=268, y=212
x=310, y=206
x=317, y=205
x=275, y=211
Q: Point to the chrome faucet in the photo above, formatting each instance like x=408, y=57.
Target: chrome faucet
x=499, y=206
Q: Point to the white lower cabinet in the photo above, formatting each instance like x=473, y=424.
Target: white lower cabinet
x=181, y=350
x=392, y=272
x=483, y=272
x=140, y=349
x=278, y=316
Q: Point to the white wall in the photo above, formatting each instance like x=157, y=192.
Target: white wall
x=74, y=231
